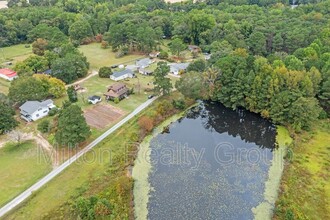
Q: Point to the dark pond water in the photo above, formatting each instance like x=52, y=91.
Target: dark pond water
x=211, y=164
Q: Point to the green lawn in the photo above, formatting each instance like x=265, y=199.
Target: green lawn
x=101, y=172
x=20, y=167
x=14, y=52
x=4, y=86
x=305, y=187
x=99, y=57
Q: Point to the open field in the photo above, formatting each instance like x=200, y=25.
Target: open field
x=100, y=116
x=4, y=86
x=305, y=187
x=99, y=57
x=20, y=167
x=101, y=172
x=16, y=52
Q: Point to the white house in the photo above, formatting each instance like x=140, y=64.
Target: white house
x=175, y=68
x=123, y=74
x=143, y=63
x=34, y=110
x=8, y=74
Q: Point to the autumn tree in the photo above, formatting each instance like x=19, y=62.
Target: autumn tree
x=39, y=46
x=146, y=123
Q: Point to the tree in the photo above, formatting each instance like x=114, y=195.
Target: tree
x=72, y=127
x=197, y=66
x=162, y=84
x=177, y=46
x=80, y=30
x=257, y=43
x=44, y=126
x=72, y=94
x=55, y=87
x=191, y=85
x=27, y=88
x=304, y=112
x=22, y=69
x=105, y=72
x=36, y=63
x=146, y=123
x=39, y=46
x=7, y=120
x=70, y=68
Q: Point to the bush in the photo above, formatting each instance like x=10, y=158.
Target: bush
x=163, y=55
x=323, y=115
x=104, y=45
x=116, y=100
x=105, y=72
x=44, y=126
x=53, y=111
x=179, y=104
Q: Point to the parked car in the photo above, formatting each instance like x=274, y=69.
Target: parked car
x=151, y=96
x=94, y=99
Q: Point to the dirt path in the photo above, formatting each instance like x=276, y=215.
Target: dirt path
x=94, y=73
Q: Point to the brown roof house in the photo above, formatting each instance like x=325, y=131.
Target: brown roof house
x=117, y=90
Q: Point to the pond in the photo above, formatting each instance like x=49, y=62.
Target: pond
x=210, y=164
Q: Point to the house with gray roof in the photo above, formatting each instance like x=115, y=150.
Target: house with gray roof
x=144, y=63
x=34, y=110
x=122, y=74
x=176, y=68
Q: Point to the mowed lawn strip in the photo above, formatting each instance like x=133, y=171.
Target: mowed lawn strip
x=20, y=167
x=98, y=57
x=100, y=171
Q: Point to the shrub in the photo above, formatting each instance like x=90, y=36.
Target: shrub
x=163, y=55
x=53, y=111
x=44, y=126
x=105, y=72
x=179, y=104
x=116, y=100
x=104, y=45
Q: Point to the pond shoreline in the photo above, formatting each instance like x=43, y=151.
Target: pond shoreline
x=265, y=209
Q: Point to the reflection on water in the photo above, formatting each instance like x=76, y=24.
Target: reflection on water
x=211, y=164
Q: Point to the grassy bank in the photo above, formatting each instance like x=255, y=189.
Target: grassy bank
x=101, y=173
x=20, y=167
x=305, y=186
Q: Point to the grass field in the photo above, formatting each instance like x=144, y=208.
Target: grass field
x=16, y=52
x=20, y=167
x=305, y=187
x=99, y=57
x=4, y=86
x=101, y=172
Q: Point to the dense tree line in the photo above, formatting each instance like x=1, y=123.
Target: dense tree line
x=140, y=26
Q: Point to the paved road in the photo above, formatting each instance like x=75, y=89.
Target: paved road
x=19, y=199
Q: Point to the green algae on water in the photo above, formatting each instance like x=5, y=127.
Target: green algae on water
x=265, y=209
